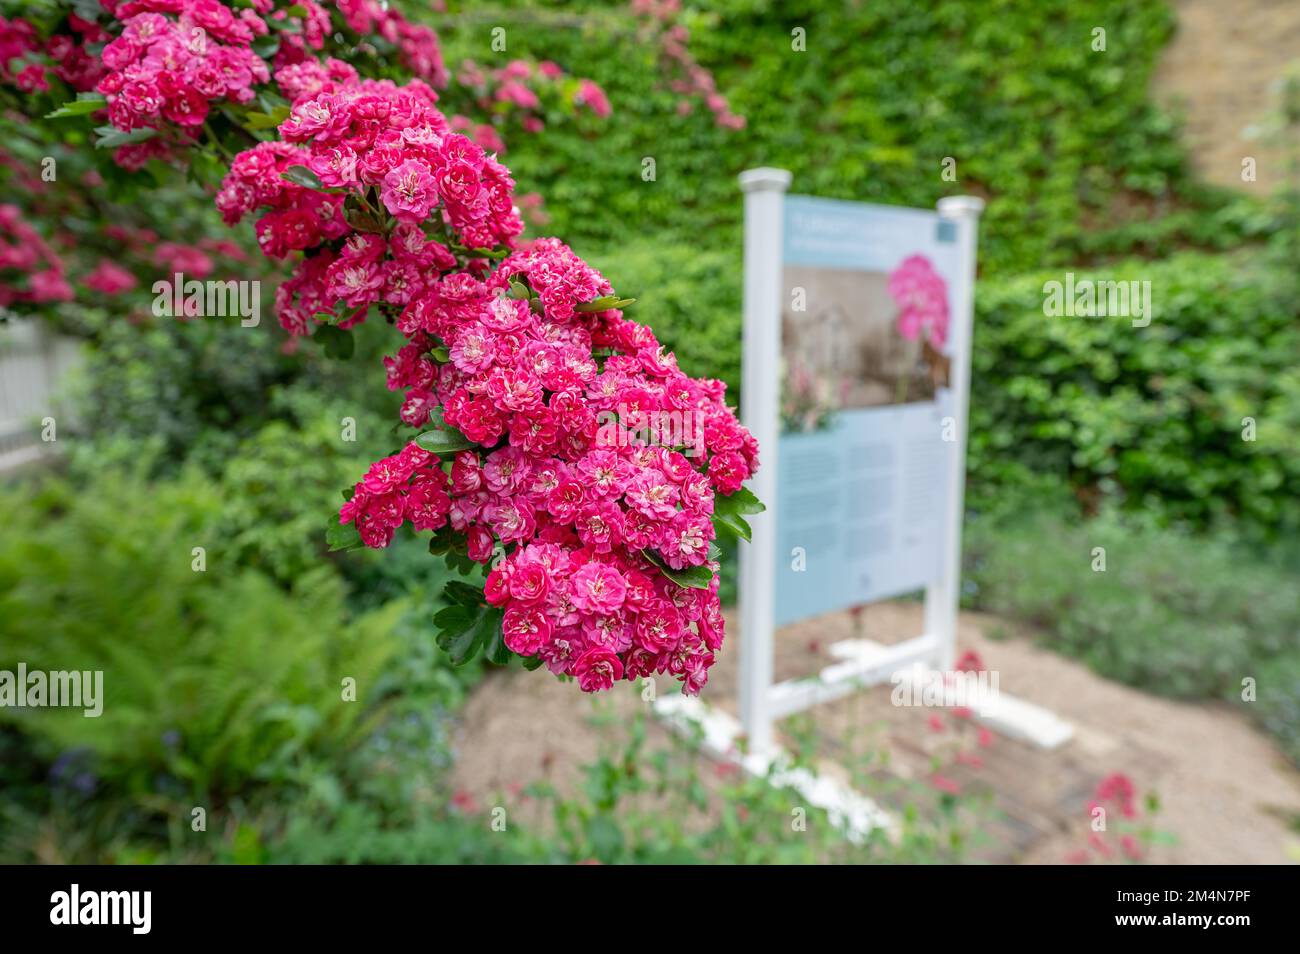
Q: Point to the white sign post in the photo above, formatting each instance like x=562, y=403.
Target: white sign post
x=761, y=362
x=922, y=440
x=869, y=503
x=943, y=596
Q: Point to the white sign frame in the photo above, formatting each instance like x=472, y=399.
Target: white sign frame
x=749, y=741
x=761, y=701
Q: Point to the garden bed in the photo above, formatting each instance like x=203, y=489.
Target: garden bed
x=1226, y=793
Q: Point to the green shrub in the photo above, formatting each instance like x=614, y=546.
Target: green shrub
x=690, y=297
x=175, y=392
x=214, y=681
x=1153, y=416
x=883, y=93
x=1277, y=705
x=191, y=390
x=1172, y=613
x=281, y=485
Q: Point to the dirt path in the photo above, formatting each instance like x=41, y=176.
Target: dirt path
x=1226, y=792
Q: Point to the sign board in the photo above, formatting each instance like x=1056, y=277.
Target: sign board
x=855, y=384
x=868, y=434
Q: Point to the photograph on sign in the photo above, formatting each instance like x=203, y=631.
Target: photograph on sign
x=867, y=346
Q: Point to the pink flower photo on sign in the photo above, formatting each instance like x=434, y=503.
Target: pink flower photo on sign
x=922, y=297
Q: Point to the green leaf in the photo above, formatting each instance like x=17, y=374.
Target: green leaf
x=532, y=663
x=343, y=536
x=497, y=652
x=108, y=137
x=742, y=501
x=448, y=440
x=462, y=564
x=465, y=631
x=84, y=104
x=363, y=221
x=256, y=120
x=734, y=523
x=606, y=838
x=695, y=577
x=463, y=594
x=337, y=343
x=603, y=303
x=457, y=633
x=302, y=176
x=266, y=47
x=447, y=542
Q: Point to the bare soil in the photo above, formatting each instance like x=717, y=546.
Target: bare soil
x=1226, y=792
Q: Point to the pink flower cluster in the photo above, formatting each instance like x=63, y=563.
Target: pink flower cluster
x=417, y=46
x=593, y=97
x=408, y=216
x=409, y=485
x=1117, y=789
x=309, y=78
x=175, y=59
x=519, y=89
x=392, y=144
x=18, y=40
x=63, y=55
x=922, y=298
x=1114, y=792
x=692, y=79
x=166, y=70
x=23, y=252
x=109, y=278
x=576, y=506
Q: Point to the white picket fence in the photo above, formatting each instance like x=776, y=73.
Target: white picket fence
x=33, y=361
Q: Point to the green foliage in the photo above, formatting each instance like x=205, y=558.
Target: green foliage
x=1174, y=614
x=1277, y=706
x=214, y=681
x=643, y=803
x=194, y=390
x=221, y=689
x=358, y=832
x=1063, y=140
x=469, y=626
x=1151, y=416
x=191, y=389
x=389, y=800
x=283, y=483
